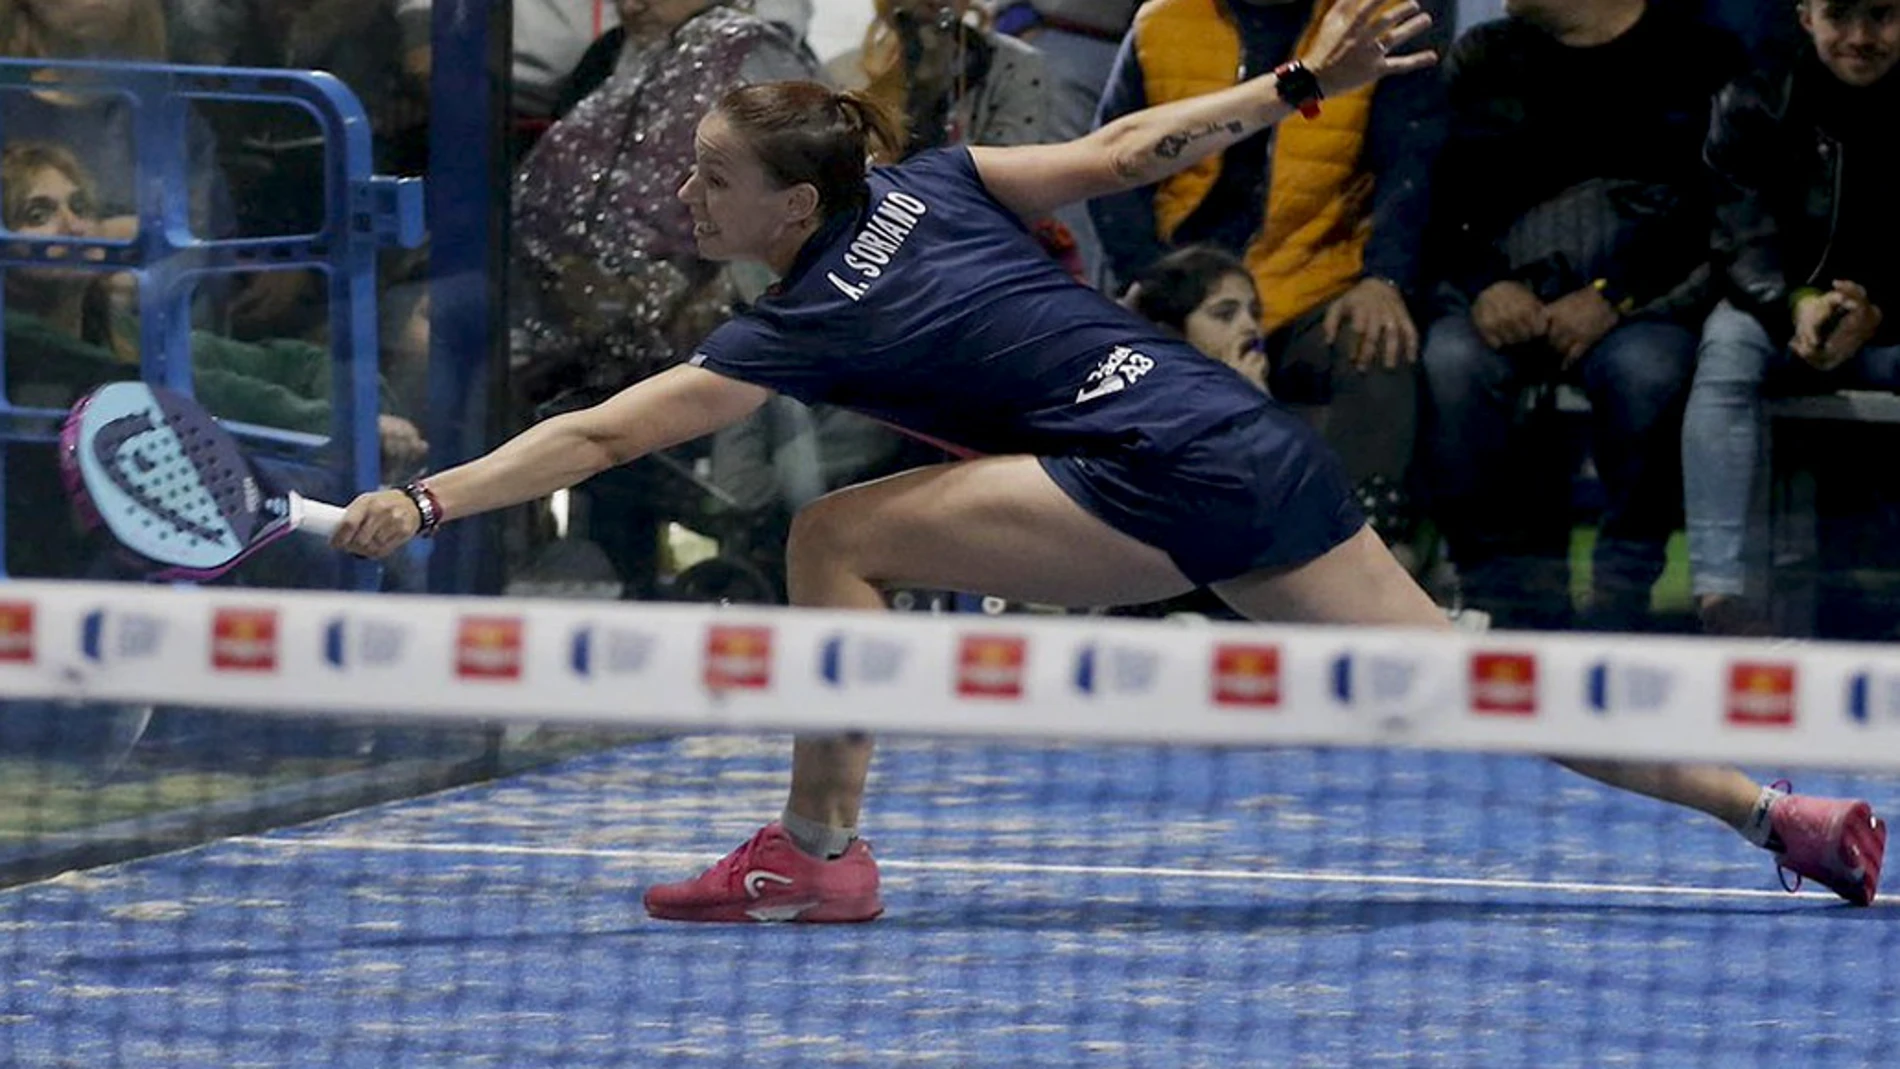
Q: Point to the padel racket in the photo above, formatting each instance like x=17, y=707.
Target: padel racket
x=172, y=486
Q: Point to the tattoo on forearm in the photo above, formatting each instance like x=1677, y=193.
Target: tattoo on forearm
x=1171, y=146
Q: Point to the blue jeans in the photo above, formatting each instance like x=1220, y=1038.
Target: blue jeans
x=1497, y=478
x=1737, y=366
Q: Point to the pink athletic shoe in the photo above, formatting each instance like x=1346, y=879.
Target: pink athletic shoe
x=1835, y=842
x=770, y=879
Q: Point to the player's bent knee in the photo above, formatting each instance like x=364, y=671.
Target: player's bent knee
x=823, y=532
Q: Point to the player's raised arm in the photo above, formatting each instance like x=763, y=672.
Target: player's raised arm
x=675, y=406
x=1353, y=46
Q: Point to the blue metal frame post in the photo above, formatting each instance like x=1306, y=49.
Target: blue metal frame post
x=471, y=52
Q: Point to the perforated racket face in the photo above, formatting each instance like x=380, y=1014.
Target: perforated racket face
x=166, y=480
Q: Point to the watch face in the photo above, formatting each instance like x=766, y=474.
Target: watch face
x=1298, y=87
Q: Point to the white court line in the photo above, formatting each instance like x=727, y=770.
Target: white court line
x=971, y=867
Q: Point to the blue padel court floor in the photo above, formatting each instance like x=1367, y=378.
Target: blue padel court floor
x=1047, y=906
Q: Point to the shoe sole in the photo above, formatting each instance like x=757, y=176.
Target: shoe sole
x=841, y=911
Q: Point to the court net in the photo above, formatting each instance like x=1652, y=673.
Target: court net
x=250, y=828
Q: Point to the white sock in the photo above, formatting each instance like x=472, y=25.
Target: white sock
x=1758, y=829
x=815, y=837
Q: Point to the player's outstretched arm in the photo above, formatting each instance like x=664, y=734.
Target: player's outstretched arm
x=674, y=406
x=1356, y=43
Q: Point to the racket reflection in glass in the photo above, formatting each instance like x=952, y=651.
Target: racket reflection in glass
x=172, y=486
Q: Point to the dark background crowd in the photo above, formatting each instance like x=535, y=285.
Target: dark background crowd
x=1548, y=301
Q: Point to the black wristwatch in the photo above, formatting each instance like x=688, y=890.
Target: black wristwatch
x=1299, y=87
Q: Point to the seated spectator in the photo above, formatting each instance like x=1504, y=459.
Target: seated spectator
x=1207, y=297
x=66, y=334
x=97, y=127
x=953, y=79
x=942, y=67
x=1078, y=39
x=1808, y=240
x=793, y=17
x=1572, y=242
x=1328, y=214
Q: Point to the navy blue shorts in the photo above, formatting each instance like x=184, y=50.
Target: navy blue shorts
x=1257, y=491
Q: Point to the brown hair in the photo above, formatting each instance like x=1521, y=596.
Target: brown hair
x=21, y=160
x=24, y=34
x=886, y=72
x=806, y=132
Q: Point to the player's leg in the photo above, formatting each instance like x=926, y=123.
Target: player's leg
x=997, y=526
x=1359, y=582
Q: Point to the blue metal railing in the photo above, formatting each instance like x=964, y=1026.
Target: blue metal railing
x=363, y=213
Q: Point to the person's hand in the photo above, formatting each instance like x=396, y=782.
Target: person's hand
x=1578, y=321
x=1249, y=357
x=1355, y=42
x=1382, y=329
x=1814, y=318
x=1856, y=324
x=1507, y=314
x=377, y=524
x=403, y=446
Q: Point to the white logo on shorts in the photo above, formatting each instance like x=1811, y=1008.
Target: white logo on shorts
x=1123, y=368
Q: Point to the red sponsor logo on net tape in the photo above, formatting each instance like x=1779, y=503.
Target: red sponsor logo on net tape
x=738, y=658
x=991, y=666
x=489, y=648
x=1246, y=676
x=1504, y=684
x=1761, y=694
x=16, y=632
x=244, y=640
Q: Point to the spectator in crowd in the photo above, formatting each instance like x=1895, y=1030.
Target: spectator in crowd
x=1571, y=237
x=1078, y=40
x=600, y=59
x=1807, y=170
x=942, y=67
x=953, y=78
x=97, y=127
x=65, y=334
x=1206, y=296
x=1328, y=213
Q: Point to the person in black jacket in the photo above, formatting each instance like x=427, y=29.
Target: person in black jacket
x=1808, y=237
x=1570, y=241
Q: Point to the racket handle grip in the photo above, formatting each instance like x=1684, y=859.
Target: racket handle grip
x=315, y=516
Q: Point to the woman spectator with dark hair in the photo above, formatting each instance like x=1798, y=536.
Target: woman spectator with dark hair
x=1207, y=296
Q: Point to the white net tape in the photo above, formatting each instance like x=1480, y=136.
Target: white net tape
x=725, y=669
